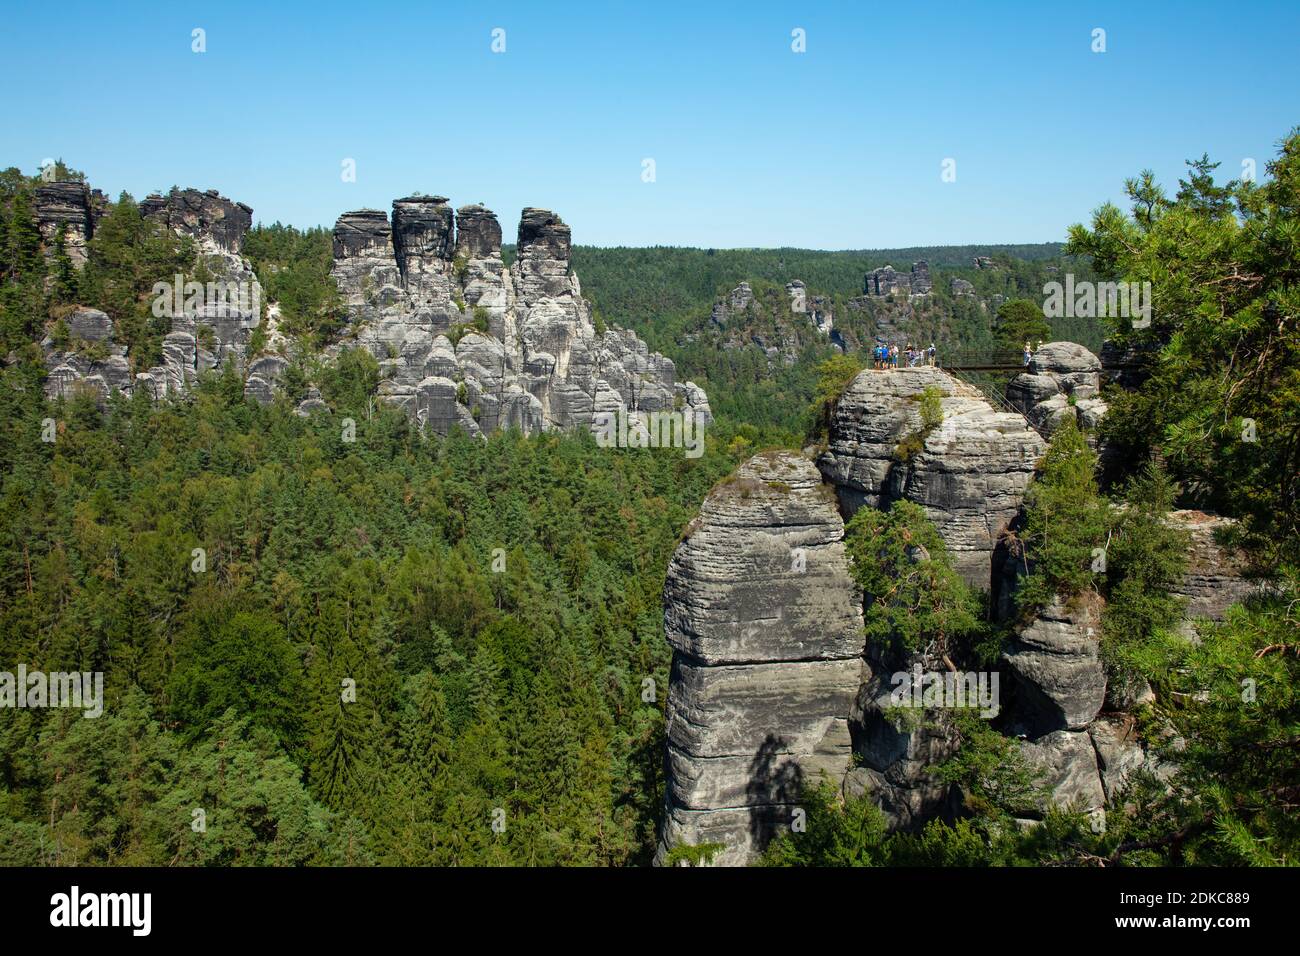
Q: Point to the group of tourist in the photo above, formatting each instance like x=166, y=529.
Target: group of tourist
x=888, y=356
x=1029, y=352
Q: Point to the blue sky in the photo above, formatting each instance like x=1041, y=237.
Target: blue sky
x=754, y=145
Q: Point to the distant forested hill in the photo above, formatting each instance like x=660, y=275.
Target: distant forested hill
x=645, y=288
x=667, y=294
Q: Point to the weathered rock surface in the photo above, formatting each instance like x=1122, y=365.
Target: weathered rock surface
x=1215, y=577
x=1068, y=764
x=1119, y=752
x=970, y=475
x=1063, y=380
x=213, y=221
x=1056, y=662
x=464, y=341
x=65, y=208
x=766, y=626
x=888, y=281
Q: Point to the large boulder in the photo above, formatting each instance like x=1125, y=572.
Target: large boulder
x=1063, y=381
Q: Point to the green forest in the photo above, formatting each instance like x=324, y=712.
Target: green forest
x=381, y=647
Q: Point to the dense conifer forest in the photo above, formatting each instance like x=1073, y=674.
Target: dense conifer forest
x=493, y=605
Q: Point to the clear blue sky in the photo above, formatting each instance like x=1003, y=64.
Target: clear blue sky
x=754, y=145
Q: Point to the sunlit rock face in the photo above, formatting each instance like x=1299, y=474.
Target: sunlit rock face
x=766, y=626
x=64, y=209
x=211, y=322
x=970, y=473
x=429, y=295
x=1063, y=381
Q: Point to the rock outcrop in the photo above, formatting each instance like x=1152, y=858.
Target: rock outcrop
x=211, y=323
x=1216, y=573
x=464, y=341
x=1060, y=680
x=766, y=628
x=1080, y=728
x=970, y=473
x=1063, y=380
x=214, y=222
x=816, y=307
x=888, y=281
x=65, y=209
x=771, y=689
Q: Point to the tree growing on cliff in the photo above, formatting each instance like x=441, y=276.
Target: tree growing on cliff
x=915, y=600
x=1066, y=521
x=833, y=378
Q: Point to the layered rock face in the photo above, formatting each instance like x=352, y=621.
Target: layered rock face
x=970, y=474
x=888, y=281
x=1056, y=659
x=766, y=628
x=1215, y=577
x=210, y=323
x=65, y=208
x=216, y=223
x=462, y=340
x=1063, y=380
x=1081, y=731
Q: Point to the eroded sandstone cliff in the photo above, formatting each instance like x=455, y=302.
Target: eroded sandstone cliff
x=766, y=628
x=462, y=340
x=971, y=471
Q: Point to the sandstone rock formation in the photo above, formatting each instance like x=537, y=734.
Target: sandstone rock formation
x=65, y=208
x=816, y=307
x=464, y=341
x=1059, y=692
x=216, y=223
x=766, y=628
x=760, y=699
x=1056, y=661
x=210, y=324
x=970, y=474
x=1215, y=576
x=888, y=281
x=461, y=340
x=1063, y=379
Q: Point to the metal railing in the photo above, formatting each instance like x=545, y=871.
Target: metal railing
x=982, y=360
